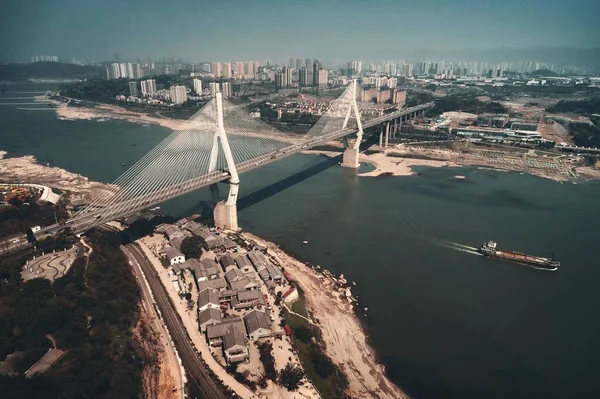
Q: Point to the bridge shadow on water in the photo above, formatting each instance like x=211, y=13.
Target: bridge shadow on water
x=274, y=188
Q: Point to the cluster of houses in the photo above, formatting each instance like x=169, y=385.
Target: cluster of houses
x=231, y=281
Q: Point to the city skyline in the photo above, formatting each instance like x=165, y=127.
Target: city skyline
x=237, y=30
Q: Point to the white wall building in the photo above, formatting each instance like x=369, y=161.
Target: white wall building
x=148, y=87
x=198, y=86
x=178, y=94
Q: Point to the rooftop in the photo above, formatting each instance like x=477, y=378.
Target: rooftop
x=255, y=320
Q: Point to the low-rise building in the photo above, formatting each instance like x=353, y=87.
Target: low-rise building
x=174, y=256
x=208, y=298
x=257, y=324
x=233, y=274
x=231, y=334
x=248, y=299
x=207, y=317
x=212, y=268
x=244, y=264
x=227, y=262
x=244, y=284
x=218, y=284
x=258, y=259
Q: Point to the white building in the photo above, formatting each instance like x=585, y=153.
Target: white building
x=178, y=94
x=198, y=86
x=214, y=88
x=173, y=255
x=148, y=87
x=226, y=89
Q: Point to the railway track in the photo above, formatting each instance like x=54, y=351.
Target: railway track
x=196, y=370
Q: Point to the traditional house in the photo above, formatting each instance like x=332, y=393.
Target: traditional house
x=233, y=274
x=208, y=316
x=208, y=298
x=218, y=284
x=257, y=324
x=244, y=283
x=244, y=264
x=227, y=262
x=230, y=333
x=248, y=299
x=258, y=259
x=212, y=268
x=174, y=256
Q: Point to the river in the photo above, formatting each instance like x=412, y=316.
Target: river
x=445, y=322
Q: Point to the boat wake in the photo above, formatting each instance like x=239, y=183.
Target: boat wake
x=459, y=247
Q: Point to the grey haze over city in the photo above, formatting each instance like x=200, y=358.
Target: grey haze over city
x=557, y=32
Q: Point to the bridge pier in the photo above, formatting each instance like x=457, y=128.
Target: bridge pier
x=225, y=216
x=387, y=133
x=351, y=154
x=350, y=158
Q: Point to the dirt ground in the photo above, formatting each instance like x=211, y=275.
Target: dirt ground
x=27, y=170
x=157, y=378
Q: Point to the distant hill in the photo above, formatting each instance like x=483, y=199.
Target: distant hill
x=49, y=70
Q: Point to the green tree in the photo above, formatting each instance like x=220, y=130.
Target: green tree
x=290, y=377
x=266, y=357
x=190, y=247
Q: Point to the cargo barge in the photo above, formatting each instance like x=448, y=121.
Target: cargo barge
x=489, y=249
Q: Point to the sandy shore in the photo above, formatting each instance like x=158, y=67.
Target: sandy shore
x=27, y=170
x=107, y=111
x=385, y=165
x=341, y=330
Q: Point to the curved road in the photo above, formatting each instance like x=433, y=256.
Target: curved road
x=191, y=360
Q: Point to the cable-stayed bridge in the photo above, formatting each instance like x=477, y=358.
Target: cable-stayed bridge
x=220, y=142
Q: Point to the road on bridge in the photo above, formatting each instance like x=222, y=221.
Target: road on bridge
x=191, y=360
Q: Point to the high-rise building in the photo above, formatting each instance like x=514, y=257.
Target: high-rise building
x=399, y=97
x=178, y=94
x=303, y=77
x=198, y=86
x=239, y=70
x=115, y=71
x=250, y=71
x=322, y=78
x=148, y=87
x=226, y=89
x=281, y=78
x=288, y=76
x=298, y=63
x=227, y=69
x=215, y=69
x=316, y=67
x=308, y=63
x=213, y=88
x=291, y=63
x=133, y=89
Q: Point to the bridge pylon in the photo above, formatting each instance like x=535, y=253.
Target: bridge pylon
x=225, y=213
x=351, y=154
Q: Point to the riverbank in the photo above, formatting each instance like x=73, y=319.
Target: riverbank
x=400, y=160
x=388, y=166
x=345, y=339
x=108, y=111
x=27, y=170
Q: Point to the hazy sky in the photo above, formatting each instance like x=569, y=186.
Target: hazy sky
x=277, y=29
